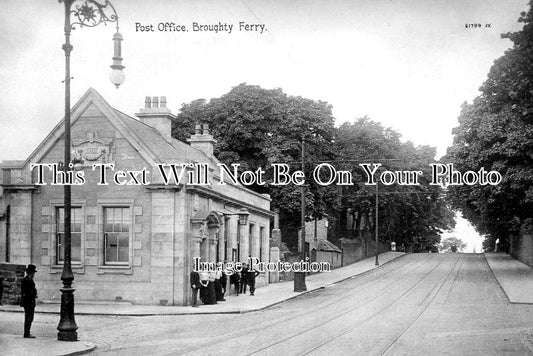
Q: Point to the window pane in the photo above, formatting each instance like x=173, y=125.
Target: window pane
x=117, y=214
x=124, y=248
x=117, y=228
x=75, y=237
x=76, y=227
x=59, y=251
x=126, y=214
x=75, y=214
x=75, y=249
x=111, y=248
x=108, y=215
x=108, y=228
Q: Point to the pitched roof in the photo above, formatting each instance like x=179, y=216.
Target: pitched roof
x=325, y=245
x=174, y=151
x=146, y=139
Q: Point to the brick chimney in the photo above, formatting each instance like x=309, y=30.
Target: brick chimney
x=202, y=140
x=157, y=115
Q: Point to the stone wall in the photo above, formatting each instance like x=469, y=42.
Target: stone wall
x=522, y=247
x=355, y=250
x=333, y=258
x=13, y=275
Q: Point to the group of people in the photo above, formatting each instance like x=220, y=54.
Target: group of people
x=211, y=285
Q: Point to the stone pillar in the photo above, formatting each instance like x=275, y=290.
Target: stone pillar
x=212, y=249
x=274, y=257
x=232, y=235
x=266, y=244
x=196, y=239
x=196, y=242
x=221, y=238
x=276, y=232
x=202, y=240
x=204, y=250
x=212, y=240
x=162, y=272
x=245, y=249
x=254, y=240
x=20, y=228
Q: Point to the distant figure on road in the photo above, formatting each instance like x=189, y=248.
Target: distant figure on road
x=27, y=299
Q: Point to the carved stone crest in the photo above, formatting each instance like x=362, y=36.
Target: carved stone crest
x=93, y=150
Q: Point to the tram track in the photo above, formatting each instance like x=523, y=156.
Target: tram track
x=416, y=266
x=426, y=302
x=347, y=315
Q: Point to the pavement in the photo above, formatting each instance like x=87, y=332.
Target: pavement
x=515, y=278
x=264, y=297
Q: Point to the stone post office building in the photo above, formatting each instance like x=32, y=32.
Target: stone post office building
x=129, y=242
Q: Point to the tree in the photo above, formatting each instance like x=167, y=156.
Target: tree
x=257, y=127
x=413, y=215
x=496, y=133
x=452, y=244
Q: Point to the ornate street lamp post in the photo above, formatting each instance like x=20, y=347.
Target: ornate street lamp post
x=88, y=13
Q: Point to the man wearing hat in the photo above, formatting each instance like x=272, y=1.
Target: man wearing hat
x=27, y=299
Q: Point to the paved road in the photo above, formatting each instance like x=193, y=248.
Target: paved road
x=420, y=304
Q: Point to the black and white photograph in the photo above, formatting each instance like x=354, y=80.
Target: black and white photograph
x=281, y=177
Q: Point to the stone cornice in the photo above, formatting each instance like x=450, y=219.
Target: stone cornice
x=8, y=188
x=203, y=191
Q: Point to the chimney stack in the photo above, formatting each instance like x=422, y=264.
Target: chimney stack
x=202, y=140
x=156, y=114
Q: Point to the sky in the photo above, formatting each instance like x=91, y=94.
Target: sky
x=465, y=231
x=408, y=64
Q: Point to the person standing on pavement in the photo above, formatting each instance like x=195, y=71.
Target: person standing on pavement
x=28, y=295
x=223, y=283
x=204, y=282
x=235, y=279
x=211, y=294
x=251, y=280
x=218, y=286
x=244, y=278
x=195, y=287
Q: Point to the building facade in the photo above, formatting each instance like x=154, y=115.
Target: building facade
x=317, y=246
x=134, y=234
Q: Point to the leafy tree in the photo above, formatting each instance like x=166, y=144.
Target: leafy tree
x=496, y=132
x=452, y=244
x=257, y=127
x=412, y=215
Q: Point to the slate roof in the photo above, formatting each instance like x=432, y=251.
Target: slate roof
x=174, y=151
x=325, y=245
